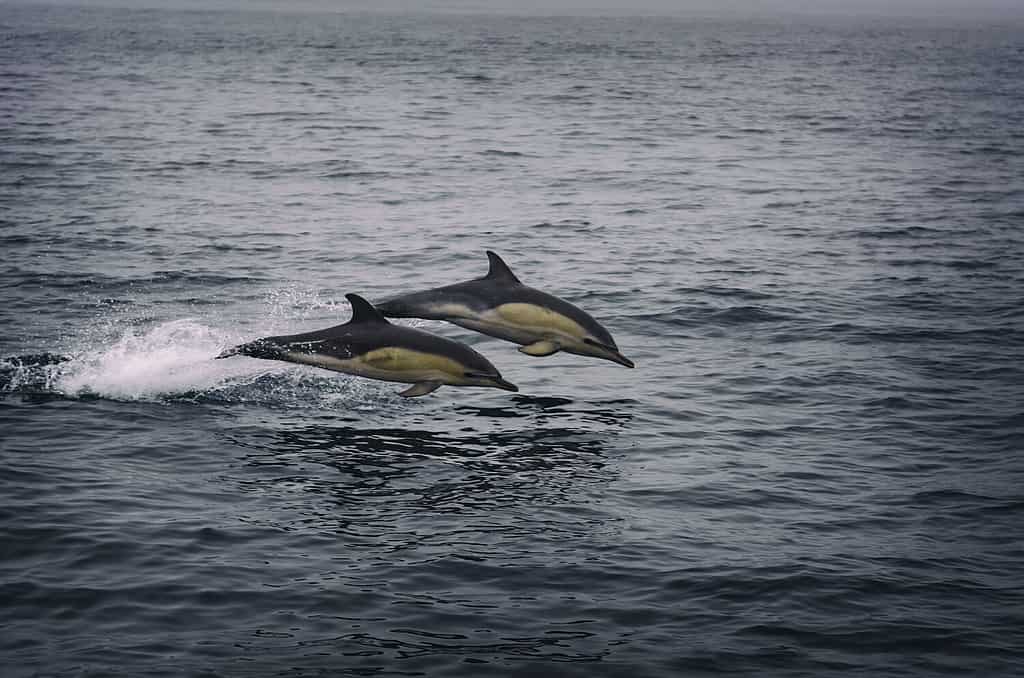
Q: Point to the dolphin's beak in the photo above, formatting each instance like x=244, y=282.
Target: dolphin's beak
x=620, y=359
x=504, y=385
x=610, y=353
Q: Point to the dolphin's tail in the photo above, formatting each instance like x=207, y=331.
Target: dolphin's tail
x=261, y=348
x=416, y=305
x=229, y=352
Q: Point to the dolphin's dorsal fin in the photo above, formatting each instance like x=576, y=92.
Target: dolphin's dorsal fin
x=499, y=270
x=363, y=311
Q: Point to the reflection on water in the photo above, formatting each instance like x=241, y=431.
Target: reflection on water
x=424, y=540
x=530, y=453
x=524, y=433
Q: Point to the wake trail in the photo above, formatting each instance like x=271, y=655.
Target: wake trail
x=176, y=360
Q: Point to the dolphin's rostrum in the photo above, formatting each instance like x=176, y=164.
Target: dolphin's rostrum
x=370, y=346
x=501, y=306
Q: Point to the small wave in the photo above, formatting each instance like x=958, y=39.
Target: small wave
x=724, y=291
x=503, y=153
x=356, y=174
x=970, y=264
x=577, y=225
x=892, y=403
x=949, y=496
x=284, y=115
x=687, y=317
x=32, y=373
x=746, y=314
x=1000, y=335
x=784, y=204
x=199, y=279
x=886, y=233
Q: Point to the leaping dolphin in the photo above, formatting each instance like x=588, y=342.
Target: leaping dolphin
x=501, y=306
x=370, y=346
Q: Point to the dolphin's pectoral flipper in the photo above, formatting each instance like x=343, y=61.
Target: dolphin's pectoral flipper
x=421, y=388
x=540, y=348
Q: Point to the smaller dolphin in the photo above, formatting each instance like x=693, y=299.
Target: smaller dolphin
x=501, y=306
x=370, y=346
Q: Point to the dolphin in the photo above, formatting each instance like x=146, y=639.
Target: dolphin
x=370, y=346
x=501, y=306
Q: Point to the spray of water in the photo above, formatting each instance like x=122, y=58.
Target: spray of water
x=171, y=358
x=124, y=359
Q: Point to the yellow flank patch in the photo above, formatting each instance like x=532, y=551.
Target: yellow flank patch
x=540, y=319
x=395, y=359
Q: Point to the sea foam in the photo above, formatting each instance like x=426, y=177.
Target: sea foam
x=169, y=358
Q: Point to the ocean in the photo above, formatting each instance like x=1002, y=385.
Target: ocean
x=807, y=232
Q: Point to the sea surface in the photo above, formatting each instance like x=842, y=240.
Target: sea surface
x=807, y=234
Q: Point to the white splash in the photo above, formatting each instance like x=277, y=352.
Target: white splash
x=170, y=358
x=122, y=358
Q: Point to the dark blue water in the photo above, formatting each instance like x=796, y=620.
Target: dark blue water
x=808, y=234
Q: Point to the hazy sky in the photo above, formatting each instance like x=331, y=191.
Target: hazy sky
x=926, y=8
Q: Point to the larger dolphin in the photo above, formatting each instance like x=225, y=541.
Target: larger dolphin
x=369, y=346
x=501, y=306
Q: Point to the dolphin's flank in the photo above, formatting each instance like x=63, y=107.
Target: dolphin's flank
x=370, y=346
x=499, y=305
